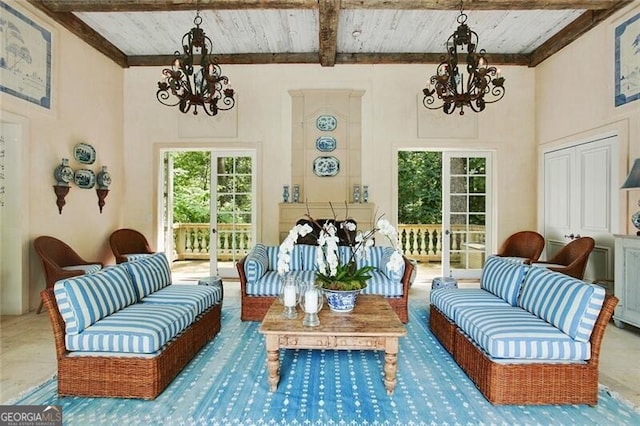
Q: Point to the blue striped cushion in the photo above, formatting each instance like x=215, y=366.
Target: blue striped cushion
x=566, y=302
x=272, y=256
x=395, y=276
x=256, y=263
x=139, y=328
x=269, y=284
x=513, y=333
x=503, y=278
x=345, y=254
x=373, y=256
x=307, y=255
x=197, y=297
x=85, y=299
x=381, y=285
x=296, y=258
x=149, y=274
x=450, y=301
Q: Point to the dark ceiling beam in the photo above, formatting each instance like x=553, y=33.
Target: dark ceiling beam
x=85, y=32
x=340, y=59
x=173, y=5
x=329, y=11
x=571, y=32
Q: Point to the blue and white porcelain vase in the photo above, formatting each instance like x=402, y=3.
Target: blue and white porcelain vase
x=341, y=300
x=103, y=179
x=63, y=173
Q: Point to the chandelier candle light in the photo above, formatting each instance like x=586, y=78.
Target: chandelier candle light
x=449, y=83
x=192, y=87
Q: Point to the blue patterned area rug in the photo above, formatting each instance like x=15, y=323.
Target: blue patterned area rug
x=226, y=384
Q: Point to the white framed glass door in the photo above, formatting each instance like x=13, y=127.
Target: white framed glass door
x=233, y=209
x=466, y=212
x=207, y=210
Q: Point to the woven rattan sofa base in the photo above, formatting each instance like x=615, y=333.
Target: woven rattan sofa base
x=442, y=328
x=535, y=383
x=127, y=377
x=254, y=308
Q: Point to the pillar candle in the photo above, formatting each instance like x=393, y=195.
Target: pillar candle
x=289, y=295
x=311, y=301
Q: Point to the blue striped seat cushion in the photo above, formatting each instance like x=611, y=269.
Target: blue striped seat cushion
x=566, y=302
x=139, y=328
x=85, y=299
x=269, y=284
x=503, y=278
x=512, y=333
x=149, y=274
x=256, y=263
x=381, y=285
x=450, y=301
x=197, y=297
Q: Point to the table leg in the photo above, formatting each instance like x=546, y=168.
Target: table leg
x=390, y=363
x=273, y=360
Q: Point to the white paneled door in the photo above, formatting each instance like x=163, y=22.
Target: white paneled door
x=581, y=199
x=466, y=212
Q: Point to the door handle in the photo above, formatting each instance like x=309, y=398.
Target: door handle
x=213, y=230
x=570, y=236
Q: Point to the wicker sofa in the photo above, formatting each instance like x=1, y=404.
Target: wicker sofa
x=126, y=331
x=260, y=282
x=527, y=336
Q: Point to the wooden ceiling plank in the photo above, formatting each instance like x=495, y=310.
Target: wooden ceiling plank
x=571, y=32
x=328, y=33
x=86, y=33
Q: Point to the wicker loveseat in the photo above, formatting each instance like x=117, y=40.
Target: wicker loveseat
x=126, y=331
x=260, y=282
x=527, y=336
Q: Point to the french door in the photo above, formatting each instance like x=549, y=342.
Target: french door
x=225, y=231
x=233, y=208
x=466, y=212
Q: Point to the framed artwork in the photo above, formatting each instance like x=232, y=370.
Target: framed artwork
x=627, y=52
x=25, y=57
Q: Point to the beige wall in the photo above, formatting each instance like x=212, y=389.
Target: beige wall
x=389, y=122
x=87, y=106
x=575, y=102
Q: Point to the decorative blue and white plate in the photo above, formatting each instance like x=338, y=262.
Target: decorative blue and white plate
x=326, y=123
x=84, y=153
x=326, y=143
x=326, y=166
x=84, y=178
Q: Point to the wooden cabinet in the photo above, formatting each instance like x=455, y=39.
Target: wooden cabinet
x=627, y=280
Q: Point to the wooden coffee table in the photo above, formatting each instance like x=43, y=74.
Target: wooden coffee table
x=372, y=325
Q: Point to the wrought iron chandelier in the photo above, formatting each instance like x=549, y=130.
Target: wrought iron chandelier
x=450, y=84
x=192, y=86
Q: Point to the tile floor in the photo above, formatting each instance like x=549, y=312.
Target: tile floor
x=27, y=354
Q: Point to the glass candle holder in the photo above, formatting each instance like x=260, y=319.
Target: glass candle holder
x=289, y=296
x=311, y=299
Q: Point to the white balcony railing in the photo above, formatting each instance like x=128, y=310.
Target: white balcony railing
x=420, y=242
